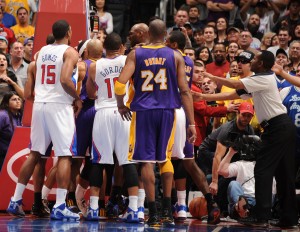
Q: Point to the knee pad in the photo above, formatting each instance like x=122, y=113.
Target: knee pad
x=96, y=175
x=85, y=173
x=166, y=167
x=130, y=175
x=179, y=170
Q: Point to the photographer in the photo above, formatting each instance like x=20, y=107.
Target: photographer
x=219, y=140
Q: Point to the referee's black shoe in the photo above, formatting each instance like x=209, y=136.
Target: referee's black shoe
x=40, y=210
x=253, y=221
x=277, y=223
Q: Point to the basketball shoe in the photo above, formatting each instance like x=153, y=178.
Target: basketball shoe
x=15, y=208
x=180, y=212
x=62, y=212
x=130, y=216
x=214, y=212
x=141, y=214
x=92, y=215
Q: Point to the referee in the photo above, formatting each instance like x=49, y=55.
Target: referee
x=277, y=154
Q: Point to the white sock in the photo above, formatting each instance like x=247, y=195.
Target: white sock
x=94, y=202
x=60, y=197
x=45, y=192
x=181, y=197
x=141, y=198
x=80, y=192
x=133, y=203
x=20, y=188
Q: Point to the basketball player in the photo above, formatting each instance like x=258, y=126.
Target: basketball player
x=85, y=119
x=157, y=72
x=110, y=132
x=52, y=118
x=183, y=152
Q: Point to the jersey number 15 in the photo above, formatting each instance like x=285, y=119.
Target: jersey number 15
x=48, y=73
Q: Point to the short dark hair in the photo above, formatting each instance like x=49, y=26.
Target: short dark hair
x=268, y=59
x=60, y=28
x=179, y=38
x=50, y=39
x=112, y=42
x=22, y=8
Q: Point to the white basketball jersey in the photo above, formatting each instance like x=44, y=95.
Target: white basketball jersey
x=107, y=72
x=48, y=70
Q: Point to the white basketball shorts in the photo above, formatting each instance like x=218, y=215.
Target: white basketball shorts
x=180, y=134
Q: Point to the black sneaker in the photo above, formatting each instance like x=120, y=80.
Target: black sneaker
x=72, y=205
x=40, y=211
x=153, y=221
x=112, y=211
x=167, y=218
x=277, y=223
x=254, y=222
x=214, y=213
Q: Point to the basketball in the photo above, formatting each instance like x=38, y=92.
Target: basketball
x=198, y=207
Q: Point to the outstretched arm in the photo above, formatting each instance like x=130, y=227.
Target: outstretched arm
x=292, y=79
x=215, y=97
x=234, y=84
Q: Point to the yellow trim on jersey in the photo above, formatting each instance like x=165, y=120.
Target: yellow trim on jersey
x=131, y=93
x=132, y=136
x=171, y=140
x=181, y=52
x=120, y=88
x=154, y=46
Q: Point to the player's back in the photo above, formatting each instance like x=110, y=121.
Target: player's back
x=48, y=71
x=107, y=72
x=155, y=79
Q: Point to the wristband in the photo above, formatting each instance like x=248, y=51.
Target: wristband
x=192, y=125
x=120, y=88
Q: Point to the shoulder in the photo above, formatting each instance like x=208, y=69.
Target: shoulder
x=3, y=115
x=108, y=15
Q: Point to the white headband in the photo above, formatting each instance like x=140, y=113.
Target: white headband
x=83, y=47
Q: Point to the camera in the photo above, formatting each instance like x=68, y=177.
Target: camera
x=247, y=145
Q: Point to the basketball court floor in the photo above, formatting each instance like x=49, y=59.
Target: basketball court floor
x=12, y=224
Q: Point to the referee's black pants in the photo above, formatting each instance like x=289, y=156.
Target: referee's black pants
x=277, y=158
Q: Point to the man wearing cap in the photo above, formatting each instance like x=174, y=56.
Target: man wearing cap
x=28, y=46
x=244, y=70
x=219, y=138
x=276, y=156
x=3, y=44
x=233, y=34
x=282, y=60
x=23, y=30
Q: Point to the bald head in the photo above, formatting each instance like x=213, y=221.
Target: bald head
x=140, y=27
x=94, y=48
x=138, y=34
x=157, y=29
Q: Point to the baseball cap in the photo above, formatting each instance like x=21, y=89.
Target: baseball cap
x=281, y=51
x=246, y=107
x=3, y=38
x=27, y=40
x=245, y=57
x=187, y=24
x=234, y=29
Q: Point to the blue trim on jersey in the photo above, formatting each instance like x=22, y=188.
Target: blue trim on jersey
x=96, y=154
x=73, y=147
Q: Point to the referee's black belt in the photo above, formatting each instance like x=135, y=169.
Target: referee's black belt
x=266, y=123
